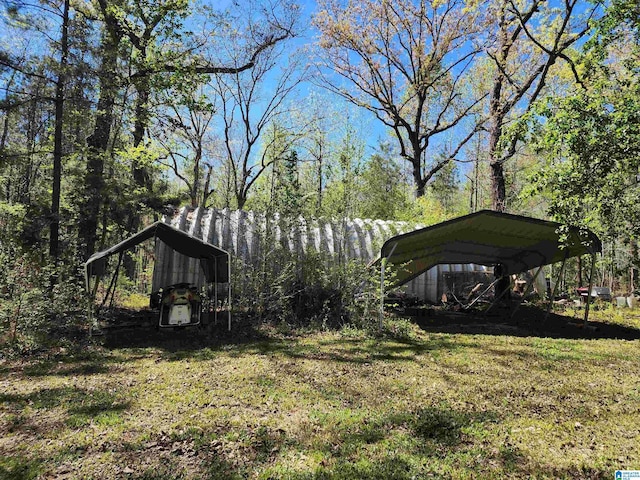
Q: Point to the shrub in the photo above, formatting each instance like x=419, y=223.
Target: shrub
x=34, y=310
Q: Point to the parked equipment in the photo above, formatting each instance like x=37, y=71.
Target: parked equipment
x=180, y=306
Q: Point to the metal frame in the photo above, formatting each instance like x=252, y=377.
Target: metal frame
x=215, y=291
x=498, y=298
x=593, y=269
x=555, y=287
x=383, y=263
x=91, y=295
x=466, y=307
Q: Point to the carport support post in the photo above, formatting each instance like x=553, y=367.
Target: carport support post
x=91, y=298
x=90, y=302
x=229, y=292
x=593, y=269
x=383, y=263
x=555, y=287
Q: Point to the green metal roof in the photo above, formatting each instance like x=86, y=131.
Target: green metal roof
x=485, y=238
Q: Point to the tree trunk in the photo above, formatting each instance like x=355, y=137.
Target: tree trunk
x=498, y=184
x=196, y=176
x=54, y=239
x=141, y=174
x=418, y=181
x=98, y=144
x=498, y=187
x=320, y=186
x=141, y=122
x=206, y=192
x=580, y=282
x=416, y=163
x=241, y=199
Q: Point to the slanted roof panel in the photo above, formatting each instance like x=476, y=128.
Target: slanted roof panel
x=485, y=238
x=211, y=257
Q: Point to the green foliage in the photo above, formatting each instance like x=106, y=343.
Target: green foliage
x=309, y=290
x=286, y=190
x=445, y=186
x=19, y=468
x=592, y=142
x=383, y=192
x=344, y=170
x=38, y=304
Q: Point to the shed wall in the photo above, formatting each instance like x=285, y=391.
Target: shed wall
x=239, y=232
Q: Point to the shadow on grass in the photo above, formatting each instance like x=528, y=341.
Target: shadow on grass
x=349, y=350
x=248, y=337
x=20, y=468
x=434, y=428
x=70, y=369
x=528, y=321
x=436, y=442
x=80, y=360
x=391, y=467
x=80, y=407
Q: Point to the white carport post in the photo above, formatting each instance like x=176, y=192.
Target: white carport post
x=215, y=291
x=555, y=287
x=593, y=269
x=229, y=290
x=383, y=264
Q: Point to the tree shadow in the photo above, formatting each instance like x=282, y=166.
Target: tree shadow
x=444, y=443
x=249, y=337
x=79, y=407
x=20, y=468
x=528, y=321
x=348, y=350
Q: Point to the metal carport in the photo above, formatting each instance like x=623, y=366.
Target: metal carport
x=488, y=238
x=214, y=261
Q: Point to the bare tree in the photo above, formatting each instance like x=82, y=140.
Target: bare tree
x=183, y=132
x=528, y=38
x=154, y=30
x=250, y=101
x=405, y=61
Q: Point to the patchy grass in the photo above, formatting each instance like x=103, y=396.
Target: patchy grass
x=135, y=301
x=411, y=404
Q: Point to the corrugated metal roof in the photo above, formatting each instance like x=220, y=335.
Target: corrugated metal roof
x=211, y=260
x=485, y=238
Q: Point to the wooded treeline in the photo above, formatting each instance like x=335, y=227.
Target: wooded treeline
x=112, y=110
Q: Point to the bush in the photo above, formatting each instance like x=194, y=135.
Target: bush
x=33, y=312
x=305, y=291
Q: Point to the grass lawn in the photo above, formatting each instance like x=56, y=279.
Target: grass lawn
x=420, y=403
